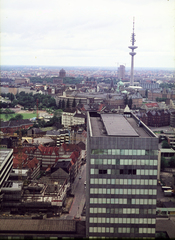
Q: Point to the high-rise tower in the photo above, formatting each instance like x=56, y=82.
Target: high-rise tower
x=132, y=56
x=121, y=177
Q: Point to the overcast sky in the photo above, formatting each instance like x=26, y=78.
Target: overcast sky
x=87, y=32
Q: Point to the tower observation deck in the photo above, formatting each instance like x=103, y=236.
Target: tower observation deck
x=132, y=56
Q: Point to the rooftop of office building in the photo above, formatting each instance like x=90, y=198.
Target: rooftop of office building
x=117, y=125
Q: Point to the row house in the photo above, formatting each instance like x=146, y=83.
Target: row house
x=155, y=118
x=22, y=161
x=12, y=126
x=46, y=155
x=157, y=93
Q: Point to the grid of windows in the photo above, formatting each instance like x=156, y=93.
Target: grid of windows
x=123, y=201
x=131, y=152
x=124, y=181
x=123, y=191
x=152, y=172
x=122, y=220
x=149, y=162
x=121, y=230
x=122, y=210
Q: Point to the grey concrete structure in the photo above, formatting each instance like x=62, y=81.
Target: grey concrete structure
x=6, y=163
x=121, y=177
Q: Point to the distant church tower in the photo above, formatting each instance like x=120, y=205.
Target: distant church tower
x=132, y=56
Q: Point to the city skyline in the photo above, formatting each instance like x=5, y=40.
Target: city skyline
x=86, y=33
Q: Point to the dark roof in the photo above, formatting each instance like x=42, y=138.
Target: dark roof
x=70, y=110
x=60, y=174
x=15, y=123
x=82, y=145
x=62, y=164
x=79, y=115
x=37, y=130
x=4, y=124
x=37, y=225
x=169, y=204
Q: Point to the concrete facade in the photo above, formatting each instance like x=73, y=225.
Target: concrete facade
x=6, y=164
x=121, y=177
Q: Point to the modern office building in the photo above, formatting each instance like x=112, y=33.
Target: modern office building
x=121, y=72
x=6, y=164
x=121, y=177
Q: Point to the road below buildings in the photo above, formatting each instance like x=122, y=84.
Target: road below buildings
x=79, y=192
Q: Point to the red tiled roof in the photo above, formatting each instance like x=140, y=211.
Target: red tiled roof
x=151, y=105
x=29, y=149
x=16, y=159
x=101, y=106
x=48, y=150
x=70, y=147
x=32, y=163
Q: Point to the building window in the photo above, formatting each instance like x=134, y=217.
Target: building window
x=102, y=171
x=128, y=171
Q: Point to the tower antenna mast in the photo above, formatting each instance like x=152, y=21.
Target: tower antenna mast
x=132, y=54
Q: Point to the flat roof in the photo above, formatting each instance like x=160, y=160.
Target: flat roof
x=167, y=150
x=117, y=125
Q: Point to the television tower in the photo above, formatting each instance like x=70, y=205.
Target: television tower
x=132, y=56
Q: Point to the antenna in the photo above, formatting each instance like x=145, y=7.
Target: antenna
x=132, y=54
x=133, y=23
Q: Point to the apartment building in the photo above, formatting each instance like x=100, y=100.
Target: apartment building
x=72, y=117
x=121, y=177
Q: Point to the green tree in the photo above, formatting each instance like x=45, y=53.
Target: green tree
x=14, y=103
x=164, y=163
x=165, y=144
x=74, y=103
x=130, y=103
x=146, y=93
x=7, y=112
x=126, y=100
x=17, y=117
x=10, y=96
x=68, y=103
x=63, y=104
x=60, y=105
x=172, y=162
x=58, y=113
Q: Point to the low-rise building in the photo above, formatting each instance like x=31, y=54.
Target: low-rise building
x=13, y=126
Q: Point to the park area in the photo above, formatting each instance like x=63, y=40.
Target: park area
x=25, y=116
x=25, y=113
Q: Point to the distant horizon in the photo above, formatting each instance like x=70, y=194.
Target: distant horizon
x=89, y=33
x=94, y=67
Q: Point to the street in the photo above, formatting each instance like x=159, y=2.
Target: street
x=79, y=191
